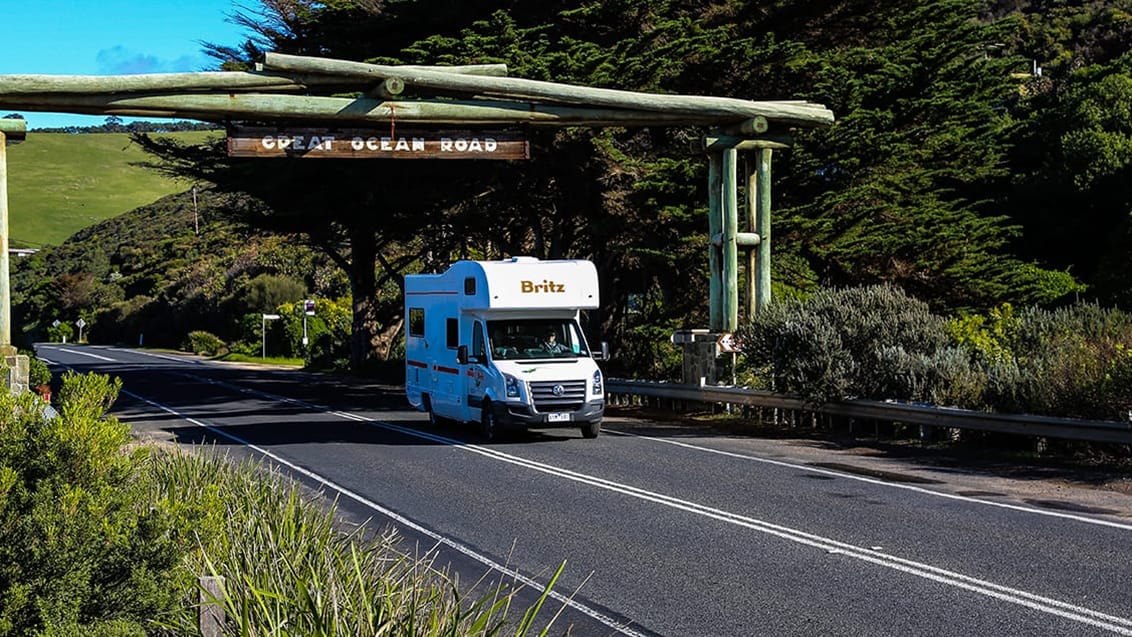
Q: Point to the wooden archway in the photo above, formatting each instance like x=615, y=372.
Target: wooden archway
x=287, y=90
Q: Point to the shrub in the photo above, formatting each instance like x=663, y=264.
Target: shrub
x=872, y=342
x=1068, y=362
x=204, y=343
x=38, y=372
x=60, y=333
x=82, y=551
x=645, y=352
x=989, y=337
x=266, y=292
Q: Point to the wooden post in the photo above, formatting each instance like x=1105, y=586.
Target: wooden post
x=752, y=226
x=6, y=348
x=762, y=168
x=715, y=227
x=728, y=247
x=211, y=606
x=15, y=364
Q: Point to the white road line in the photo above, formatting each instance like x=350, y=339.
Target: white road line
x=179, y=359
x=81, y=353
x=1097, y=619
x=495, y=566
x=885, y=483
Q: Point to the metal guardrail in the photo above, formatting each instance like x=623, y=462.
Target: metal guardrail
x=1041, y=426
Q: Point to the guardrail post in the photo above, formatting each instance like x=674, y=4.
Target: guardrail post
x=211, y=606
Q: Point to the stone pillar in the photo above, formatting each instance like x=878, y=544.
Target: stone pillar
x=700, y=360
x=16, y=372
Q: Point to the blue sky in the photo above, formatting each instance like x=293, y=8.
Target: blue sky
x=110, y=37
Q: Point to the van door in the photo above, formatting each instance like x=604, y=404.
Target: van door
x=477, y=377
x=447, y=398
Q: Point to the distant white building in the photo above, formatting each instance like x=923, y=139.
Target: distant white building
x=22, y=252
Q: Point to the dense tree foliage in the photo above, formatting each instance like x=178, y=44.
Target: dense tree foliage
x=952, y=170
x=1068, y=157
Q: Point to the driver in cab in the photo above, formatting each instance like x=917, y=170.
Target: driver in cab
x=552, y=345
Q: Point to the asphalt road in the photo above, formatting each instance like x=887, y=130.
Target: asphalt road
x=666, y=530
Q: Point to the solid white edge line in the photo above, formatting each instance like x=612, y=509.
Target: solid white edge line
x=582, y=608
x=907, y=487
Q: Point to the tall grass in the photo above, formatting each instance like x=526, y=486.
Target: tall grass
x=291, y=566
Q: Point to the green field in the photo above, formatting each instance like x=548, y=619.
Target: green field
x=59, y=183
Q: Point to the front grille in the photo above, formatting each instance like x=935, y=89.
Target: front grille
x=571, y=398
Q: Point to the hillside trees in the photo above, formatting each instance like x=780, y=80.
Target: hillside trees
x=1072, y=157
x=905, y=188
x=1080, y=180
x=153, y=274
x=633, y=201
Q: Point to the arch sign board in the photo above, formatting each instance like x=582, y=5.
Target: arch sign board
x=369, y=143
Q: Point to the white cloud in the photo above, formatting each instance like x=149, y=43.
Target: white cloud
x=119, y=60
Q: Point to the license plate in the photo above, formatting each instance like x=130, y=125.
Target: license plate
x=558, y=417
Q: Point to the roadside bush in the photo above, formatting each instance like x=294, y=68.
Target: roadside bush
x=38, y=372
x=871, y=342
x=204, y=343
x=878, y=343
x=989, y=338
x=60, y=333
x=1072, y=361
x=266, y=292
x=82, y=551
x=328, y=331
x=944, y=377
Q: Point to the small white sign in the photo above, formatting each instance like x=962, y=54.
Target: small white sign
x=727, y=343
x=81, y=323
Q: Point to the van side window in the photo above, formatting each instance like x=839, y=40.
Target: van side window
x=470, y=286
x=416, y=321
x=478, y=347
x=452, y=327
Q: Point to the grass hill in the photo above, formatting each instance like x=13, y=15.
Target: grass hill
x=60, y=183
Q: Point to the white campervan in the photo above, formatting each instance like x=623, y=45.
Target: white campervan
x=498, y=343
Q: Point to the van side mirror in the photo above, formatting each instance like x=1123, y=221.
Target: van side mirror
x=462, y=354
x=604, y=351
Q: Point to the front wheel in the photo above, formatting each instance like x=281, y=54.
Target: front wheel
x=487, y=422
x=591, y=429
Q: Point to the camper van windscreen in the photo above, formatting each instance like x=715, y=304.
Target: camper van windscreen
x=528, y=339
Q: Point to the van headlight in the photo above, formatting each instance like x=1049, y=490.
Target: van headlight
x=512, y=385
x=597, y=383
